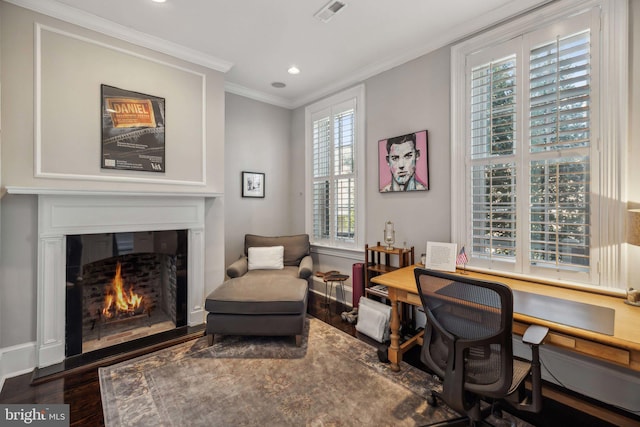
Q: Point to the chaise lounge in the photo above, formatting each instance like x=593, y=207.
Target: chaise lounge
x=267, y=290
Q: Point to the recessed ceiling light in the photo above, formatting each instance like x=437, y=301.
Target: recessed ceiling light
x=158, y=1
x=294, y=70
x=278, y=85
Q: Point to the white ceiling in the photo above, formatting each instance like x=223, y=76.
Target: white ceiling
x=256, y=41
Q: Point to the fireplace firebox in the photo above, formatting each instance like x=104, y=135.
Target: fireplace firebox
x=123, y=286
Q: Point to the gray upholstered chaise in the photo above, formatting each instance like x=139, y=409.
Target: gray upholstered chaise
x=263, y=302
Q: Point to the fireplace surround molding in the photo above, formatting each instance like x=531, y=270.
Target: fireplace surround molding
x=64, y=214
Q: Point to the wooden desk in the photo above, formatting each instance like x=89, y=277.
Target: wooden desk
x=622, y=348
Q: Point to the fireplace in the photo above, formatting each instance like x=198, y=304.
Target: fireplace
x=123, y=286
x=131, y=217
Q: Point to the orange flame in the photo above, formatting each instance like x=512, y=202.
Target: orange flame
x=118, y=300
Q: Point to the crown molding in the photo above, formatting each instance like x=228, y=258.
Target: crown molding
x=258, y=95
x=111, y=29
x=95, y=23
x=468, y=29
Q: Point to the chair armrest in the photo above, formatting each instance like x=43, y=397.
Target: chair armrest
x=238, y=268
x=535, y=334
x=306, y=267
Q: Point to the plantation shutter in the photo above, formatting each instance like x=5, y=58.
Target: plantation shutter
x=344, y=142
x=539, y=139
x=493, y=169
x=560, y=142
x=321, y=177
x=334, y=174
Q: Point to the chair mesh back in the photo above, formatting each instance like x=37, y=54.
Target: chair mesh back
x=474, y=317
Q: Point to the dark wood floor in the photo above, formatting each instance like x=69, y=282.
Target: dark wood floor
x=80, y=387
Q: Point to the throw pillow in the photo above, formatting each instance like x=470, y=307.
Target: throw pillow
x=266, y=258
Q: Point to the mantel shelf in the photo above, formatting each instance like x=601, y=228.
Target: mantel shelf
x=65, y=192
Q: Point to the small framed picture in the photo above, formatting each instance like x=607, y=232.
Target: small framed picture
x=252, y=184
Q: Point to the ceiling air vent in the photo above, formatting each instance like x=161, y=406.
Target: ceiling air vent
x=330, y=9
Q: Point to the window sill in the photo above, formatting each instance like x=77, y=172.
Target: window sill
x=336, y=251
x=592, y=289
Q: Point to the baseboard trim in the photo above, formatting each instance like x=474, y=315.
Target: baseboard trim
x=595, y=379
x=595, y=410
x=17, y=360
x=318, y=287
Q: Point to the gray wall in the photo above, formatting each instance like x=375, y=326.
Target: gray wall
x=77, y=136
x=71, y=73
x=297, y=162
x=19, y=228
x=257, y=140
x=410, y=98
x=415, y=96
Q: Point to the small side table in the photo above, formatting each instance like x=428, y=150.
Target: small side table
x=334, y=279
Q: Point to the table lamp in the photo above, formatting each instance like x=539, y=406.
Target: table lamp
x=389, y=235
x=633, y=238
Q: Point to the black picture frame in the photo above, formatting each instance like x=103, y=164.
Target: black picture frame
x=133, y=130
x=253, y=184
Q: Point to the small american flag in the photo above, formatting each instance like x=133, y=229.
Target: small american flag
x=462, y=257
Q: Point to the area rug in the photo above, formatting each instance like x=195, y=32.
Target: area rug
x=333, y=379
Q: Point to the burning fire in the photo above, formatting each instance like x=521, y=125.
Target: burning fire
x=118, y=300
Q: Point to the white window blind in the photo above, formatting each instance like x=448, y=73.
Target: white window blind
x=334, y=198
x=559, y=213
x=559, y=125
x=544, y=166
x=493, y=169
x=345, y=185
x=321, y=178
x=537, y=165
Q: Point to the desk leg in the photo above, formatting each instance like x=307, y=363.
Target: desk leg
x=394, y=354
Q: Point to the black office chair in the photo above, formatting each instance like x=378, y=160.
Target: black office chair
x=468, y=344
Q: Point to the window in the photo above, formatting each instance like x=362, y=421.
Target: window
x=534, y=115
x=334, y=157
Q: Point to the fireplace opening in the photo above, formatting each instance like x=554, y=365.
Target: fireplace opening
x=122, y=287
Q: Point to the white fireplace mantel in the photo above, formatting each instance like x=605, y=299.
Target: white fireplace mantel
x=62, y=213
x=41, y=191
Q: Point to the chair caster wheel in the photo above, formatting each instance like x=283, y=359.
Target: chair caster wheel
x=432, y=400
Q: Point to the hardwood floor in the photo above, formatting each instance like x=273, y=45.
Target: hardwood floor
x=80, y=387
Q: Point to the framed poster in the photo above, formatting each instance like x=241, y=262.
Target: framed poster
x=132, y=130
x=252, y=184
x=403, y=163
